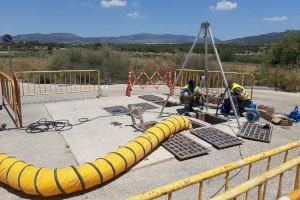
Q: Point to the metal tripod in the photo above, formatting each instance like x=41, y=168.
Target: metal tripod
x=205, y=28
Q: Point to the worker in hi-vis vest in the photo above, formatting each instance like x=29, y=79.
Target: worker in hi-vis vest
x=240, y=96
x=190, y=95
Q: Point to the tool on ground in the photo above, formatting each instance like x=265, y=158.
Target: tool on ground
x=252, y=114
x=205, y=29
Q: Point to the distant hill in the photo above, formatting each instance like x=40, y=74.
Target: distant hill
x=51, y=37
x=146, y=38
x=268, y=38
x=135, y=38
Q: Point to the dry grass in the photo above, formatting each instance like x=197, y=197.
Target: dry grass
x=285, y=79
x=279, y=77
x=240, y=67
x=24, y=63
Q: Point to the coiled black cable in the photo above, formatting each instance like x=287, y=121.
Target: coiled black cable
x=45, y=125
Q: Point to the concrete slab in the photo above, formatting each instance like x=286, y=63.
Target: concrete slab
x=96, y=138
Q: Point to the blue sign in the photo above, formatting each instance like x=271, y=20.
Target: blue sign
x=7, y=39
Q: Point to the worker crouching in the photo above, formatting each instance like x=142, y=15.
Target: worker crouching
x=191, y=95
x=240, y=97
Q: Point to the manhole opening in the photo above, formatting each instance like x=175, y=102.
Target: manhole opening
x=196, y=124
x=211, y=119
x=169, y=104
x=151, y=97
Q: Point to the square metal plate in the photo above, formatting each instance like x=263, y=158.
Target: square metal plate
x=144, y=106
x=216, y=138
x=182, y=147
x=254, y=131
x=116, y=110
x=151, y=97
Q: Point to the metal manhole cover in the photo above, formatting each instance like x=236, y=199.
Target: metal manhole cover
x=144, y=106
x=115, y=110
x=254, y=131
x=183, y=147
x=151, y=97
x=216, y=138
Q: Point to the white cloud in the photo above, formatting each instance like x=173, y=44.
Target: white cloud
x=113, y=3
x=134, y=15
x=275, y=18
x=224, y=6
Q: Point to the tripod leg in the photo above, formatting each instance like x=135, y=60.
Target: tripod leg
x=224, y=77
x=187, y=57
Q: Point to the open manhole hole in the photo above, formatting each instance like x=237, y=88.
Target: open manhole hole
x=151, y=97
x=211, y=119
x=216, y=138
x=144, y=106
x=182, y=147
x=116, y=110
x=254, y=131
x=169, y=104
x=196, y=124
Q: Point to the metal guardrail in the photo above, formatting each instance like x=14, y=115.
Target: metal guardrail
x=33, y=83
x=11, y=97
x=261, y=181
x=215, y=84
x=225, y=169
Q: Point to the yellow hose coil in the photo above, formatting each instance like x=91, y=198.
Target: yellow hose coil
x=46, y=182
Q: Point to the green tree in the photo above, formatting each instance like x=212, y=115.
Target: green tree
x=287, y=51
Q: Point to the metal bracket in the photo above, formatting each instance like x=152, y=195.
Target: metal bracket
x=136, y=114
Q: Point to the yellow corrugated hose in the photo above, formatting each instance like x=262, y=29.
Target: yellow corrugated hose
x=47, y=182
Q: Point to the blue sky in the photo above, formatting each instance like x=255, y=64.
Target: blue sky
x=229, y=18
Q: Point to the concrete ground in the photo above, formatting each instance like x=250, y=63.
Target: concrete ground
x=94, y=139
